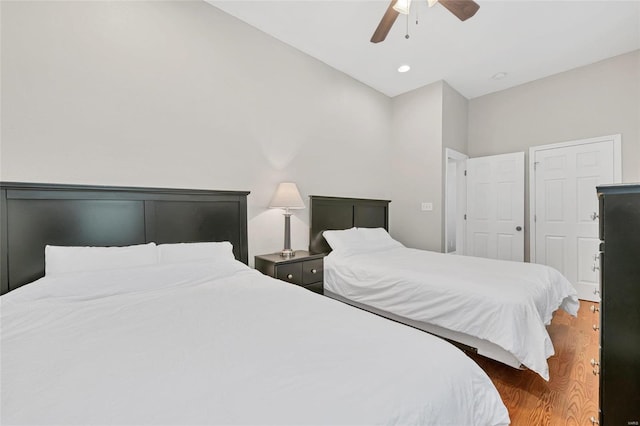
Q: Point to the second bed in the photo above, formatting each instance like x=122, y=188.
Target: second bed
x=496, y=308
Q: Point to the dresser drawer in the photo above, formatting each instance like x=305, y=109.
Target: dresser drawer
x=312, y=271
x=290, y=272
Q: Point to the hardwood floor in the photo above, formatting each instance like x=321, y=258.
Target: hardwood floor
x=571, y=395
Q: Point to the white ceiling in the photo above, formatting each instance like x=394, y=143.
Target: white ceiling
x=526, y=39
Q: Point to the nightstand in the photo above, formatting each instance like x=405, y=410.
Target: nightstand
x=304, y=269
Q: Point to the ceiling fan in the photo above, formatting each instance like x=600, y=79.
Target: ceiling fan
x=463, y=9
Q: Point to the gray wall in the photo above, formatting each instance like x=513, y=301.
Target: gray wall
x=425, y=122
x=416, y=167
x=455, y=116
x=179, y=94
x=595, y=100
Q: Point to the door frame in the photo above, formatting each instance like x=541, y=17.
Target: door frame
x=461, y=196
x=617, y=176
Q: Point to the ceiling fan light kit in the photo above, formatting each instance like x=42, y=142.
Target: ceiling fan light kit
x=462, y=9
x=402, y=6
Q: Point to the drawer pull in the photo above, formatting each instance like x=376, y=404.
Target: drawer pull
x=594, y=216
x=596, y=292
x=595, y=267
x=595, y=327
x=594, y=421
x=596, y=371
x=594, y=362
x=290, y=276
x=594, y=309
x=314, y=271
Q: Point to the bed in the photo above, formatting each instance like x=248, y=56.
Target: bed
x=496, y=308
x=181, y=331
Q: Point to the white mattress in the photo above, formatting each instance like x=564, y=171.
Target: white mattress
x=219, y=343
x=506, y=303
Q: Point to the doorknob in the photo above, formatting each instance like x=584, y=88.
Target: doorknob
x=518, y=228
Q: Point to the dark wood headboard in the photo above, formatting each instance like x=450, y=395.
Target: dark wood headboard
x=344, y=213
x=33, y=215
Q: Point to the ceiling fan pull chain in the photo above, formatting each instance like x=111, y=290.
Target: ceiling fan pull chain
x=462, y=9
x=407, y=35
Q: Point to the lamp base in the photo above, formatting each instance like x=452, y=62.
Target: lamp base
x=288, y=253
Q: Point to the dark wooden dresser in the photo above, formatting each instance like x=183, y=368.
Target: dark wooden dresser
x=619, y=364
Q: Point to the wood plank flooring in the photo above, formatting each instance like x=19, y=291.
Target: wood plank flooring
x=571, y=395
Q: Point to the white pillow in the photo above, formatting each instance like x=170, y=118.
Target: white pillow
x=192, y=252
x=360, y=240
x=61, y=259
x=378, y=237
x=342, y=240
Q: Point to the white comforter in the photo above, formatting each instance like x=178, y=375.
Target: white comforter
x=506, y=303
x=222, y=344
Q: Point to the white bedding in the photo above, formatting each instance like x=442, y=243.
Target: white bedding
x=506, y=303
x=219, y=343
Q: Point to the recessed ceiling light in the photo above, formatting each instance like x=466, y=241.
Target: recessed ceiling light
x=499, y=75
x=404, y=68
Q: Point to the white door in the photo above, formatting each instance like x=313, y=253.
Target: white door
x=566, y=209
x=495, y=207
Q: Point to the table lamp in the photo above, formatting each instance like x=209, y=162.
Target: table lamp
x=287, y=197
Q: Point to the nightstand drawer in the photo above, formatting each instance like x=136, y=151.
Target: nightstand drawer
x=303, y=269
x=290, y=272
x=312, y=271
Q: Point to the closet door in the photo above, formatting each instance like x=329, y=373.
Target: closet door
x=566, y=206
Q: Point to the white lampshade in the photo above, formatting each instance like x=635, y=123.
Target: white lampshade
x=287, y=196
x=402, y=6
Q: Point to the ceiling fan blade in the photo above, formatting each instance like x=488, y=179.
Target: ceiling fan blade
x=463, y=9
x=385, y=23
